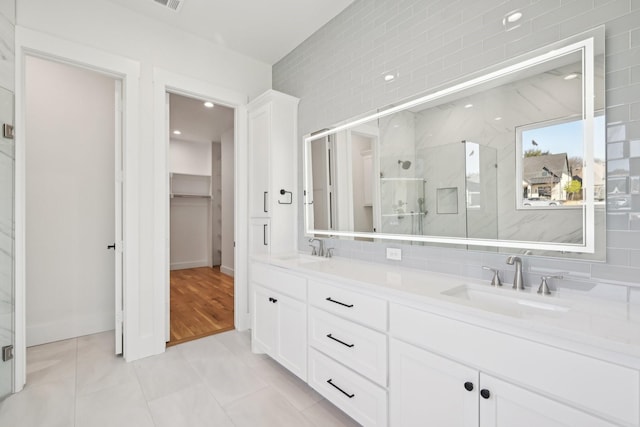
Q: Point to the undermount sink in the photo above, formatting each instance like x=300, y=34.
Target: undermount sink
x=507, y=301
x=301, y=258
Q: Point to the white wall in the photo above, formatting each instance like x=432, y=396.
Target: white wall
x=70, y=116
x=228, y=251
x=190, y=157
x=113, y=29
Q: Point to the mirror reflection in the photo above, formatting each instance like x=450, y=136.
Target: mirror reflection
x=514, y=158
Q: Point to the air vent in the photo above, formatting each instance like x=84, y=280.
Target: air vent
x=174, y=5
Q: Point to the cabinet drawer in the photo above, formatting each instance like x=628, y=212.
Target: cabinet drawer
x=360, y=348
x=279, y=280
x=594, y=385
x=359, y=398
x=369, y=311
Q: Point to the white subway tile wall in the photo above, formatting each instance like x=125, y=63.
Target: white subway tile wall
x=337, y=74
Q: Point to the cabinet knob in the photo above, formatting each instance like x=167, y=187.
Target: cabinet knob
x=468, y=386
x=485, y=393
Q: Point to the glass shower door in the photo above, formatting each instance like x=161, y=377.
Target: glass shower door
x=6, y=242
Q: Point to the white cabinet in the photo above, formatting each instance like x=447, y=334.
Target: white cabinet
x=386, y=360
x=279, y=329
x=259, y=236
x=273, y=168
x=348, y=360
x=425, y=386
x=279, y=321
x=507, y=405
x=593, y=385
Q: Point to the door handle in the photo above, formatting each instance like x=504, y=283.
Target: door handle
x=112, y=246
x=264, y=201
x=264, y=235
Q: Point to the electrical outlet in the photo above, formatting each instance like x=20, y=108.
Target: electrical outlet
x=394, y=254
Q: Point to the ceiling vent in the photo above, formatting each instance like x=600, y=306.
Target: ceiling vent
x=174, y=5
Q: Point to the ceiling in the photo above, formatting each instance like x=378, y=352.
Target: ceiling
x=196, y=122
x=266, y=30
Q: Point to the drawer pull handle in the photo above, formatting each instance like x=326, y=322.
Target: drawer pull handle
x=339, y=389
x=468, y=386
x=485, y=393
x=338, y=302
x=340, y=341
x=273, y=300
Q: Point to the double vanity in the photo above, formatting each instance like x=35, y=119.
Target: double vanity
x=402, y=347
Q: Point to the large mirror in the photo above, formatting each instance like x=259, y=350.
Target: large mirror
x=513, y=157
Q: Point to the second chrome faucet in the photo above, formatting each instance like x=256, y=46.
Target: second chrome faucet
x=518, y=282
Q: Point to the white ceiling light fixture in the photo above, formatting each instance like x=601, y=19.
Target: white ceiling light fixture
x=174, y=5
x=209, y=104
x=571, y=76
x=468, y=106
x=389, y=77
x=497, y=119
x=177, y=132
x=510, y=20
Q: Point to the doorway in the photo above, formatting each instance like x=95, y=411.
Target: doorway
x=72, y=202
x=201, y=217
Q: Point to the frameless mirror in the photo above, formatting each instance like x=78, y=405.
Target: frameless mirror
x=509, y=158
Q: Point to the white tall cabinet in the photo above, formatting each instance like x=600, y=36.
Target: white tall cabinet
x=272, y=173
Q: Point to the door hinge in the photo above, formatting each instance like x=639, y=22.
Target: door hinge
x=7, y=353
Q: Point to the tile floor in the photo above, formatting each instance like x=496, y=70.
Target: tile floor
x=215, y=381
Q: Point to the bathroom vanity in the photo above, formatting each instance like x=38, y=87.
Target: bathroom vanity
x=402, y=347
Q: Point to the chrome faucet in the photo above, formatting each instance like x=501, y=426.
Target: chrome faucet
x=320, y=249
x=518, y=282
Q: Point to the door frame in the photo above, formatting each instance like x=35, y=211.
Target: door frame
x=34, y=43
x=168, y=82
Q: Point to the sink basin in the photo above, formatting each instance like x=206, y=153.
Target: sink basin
x=507, y=301
x=301, y=258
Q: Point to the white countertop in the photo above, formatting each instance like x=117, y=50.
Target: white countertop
x=601, y=328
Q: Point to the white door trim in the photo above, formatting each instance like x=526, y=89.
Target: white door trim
x=165, y=81
x=34, y=43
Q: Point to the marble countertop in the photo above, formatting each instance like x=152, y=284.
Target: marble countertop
x=600, y=328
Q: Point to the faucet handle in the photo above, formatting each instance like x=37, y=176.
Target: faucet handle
x=314, y=250
x=543, y=289
x=328, y=252
x=495, y=281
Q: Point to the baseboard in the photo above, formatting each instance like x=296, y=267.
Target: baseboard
x=69, y=328
x=189, y=264
x=226, y=270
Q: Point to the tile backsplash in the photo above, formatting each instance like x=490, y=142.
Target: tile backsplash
x=337, y=73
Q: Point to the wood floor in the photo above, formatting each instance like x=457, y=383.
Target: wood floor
x=201, y=303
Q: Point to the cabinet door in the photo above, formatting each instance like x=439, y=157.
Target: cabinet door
x=506, y=405
x=292, y=335
x=265, y=321
x=429, y=390
x=259, y=163
x=259, y=237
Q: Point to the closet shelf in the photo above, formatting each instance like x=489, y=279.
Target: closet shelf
x=188, y=185
x=198, y=196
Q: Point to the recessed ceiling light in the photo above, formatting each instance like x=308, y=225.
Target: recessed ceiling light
x=389, y=77
x=208, y=104
x=498, y=118
x=177, y=132
x=571, y=76
x=468, y=106
x=513, y=17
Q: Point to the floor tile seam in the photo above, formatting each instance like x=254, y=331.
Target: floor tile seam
x=284, y=396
